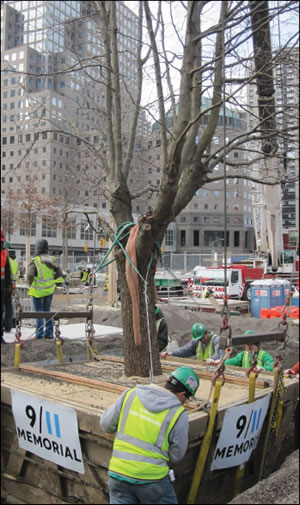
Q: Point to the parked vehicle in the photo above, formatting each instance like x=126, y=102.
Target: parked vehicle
x=238, y=283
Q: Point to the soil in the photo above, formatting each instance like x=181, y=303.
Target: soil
x=274, y=489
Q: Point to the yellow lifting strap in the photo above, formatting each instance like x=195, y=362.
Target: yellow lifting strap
x=201, y=460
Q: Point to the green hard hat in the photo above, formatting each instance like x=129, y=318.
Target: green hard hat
x=187, y=377
x=198, y=331
x=7, y=244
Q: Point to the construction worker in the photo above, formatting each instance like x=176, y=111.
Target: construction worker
x=244, y=359
x=41, y=275
x=161, y=329
x=9, y=308
x=151, y=427
x=205, y=344
x=83, y=276
x=6, y=279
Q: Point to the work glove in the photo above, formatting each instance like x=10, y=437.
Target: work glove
x=289, y=371
x=211, y=361
x=165, y=354
x=259, y=368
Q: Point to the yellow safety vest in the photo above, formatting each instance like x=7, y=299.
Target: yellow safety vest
x=84, y=277
x=209, y=351
x=141, y=445
x=14, y=266
x=43, y=284
x=247, y=356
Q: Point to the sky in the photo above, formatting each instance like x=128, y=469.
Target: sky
x=280, y=32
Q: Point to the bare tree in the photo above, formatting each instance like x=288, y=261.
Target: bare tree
x=214, y=65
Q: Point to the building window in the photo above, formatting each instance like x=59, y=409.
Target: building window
x=196, y=241
x=49, y=228
x=169, y=238
x=32, y=229
x=182, y=238
x=85, y=234
x=206, y=219
x=236, y=239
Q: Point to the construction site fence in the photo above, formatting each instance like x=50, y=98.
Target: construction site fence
x=181, y=262
x=185, y=262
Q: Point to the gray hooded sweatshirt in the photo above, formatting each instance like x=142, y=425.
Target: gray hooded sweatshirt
x=155, y=399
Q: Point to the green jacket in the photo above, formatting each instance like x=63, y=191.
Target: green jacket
x=243, y=359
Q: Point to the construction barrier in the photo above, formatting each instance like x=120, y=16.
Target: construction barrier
x=277, y=312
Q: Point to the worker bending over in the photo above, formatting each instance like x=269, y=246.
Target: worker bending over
x=205, y=344
x=244, y=359
x=151, y=427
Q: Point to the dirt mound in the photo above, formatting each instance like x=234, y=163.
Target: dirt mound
x=179, y=321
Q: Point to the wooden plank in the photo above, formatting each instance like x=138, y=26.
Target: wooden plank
x=167, y=365
x=84, y=381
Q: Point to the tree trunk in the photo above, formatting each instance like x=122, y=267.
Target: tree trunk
x=138, y=360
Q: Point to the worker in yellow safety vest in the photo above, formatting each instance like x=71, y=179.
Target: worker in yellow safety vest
x=204, y=344
x=43, y=270
x=151, y=427
x=14, y=265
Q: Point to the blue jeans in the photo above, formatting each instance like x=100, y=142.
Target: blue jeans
x=123, y=492
x=9, y=312
x=43, y=304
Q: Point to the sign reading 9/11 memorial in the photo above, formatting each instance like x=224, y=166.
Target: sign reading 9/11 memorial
x=240, y=433
x=47, y=429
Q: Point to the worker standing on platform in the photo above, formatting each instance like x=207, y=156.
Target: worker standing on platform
x=6, y=279
x=151, y=427
x=42, y=272
x=204, y=344
x=244, y=359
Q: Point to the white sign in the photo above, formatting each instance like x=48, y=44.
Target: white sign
x=240, y=433
x=261, y=292
x=47, y=429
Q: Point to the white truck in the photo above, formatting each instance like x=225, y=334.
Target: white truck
x=238, y=283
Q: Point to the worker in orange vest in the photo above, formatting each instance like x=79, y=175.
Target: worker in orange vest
x=6, y=279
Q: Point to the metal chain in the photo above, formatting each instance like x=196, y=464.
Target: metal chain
x=89, y=326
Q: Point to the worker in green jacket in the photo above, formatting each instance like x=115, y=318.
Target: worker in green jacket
x=151, y=427
x=244, y=359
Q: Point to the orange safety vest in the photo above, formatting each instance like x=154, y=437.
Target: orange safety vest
x=4, y=255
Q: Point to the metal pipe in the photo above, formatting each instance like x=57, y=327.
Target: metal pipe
x=54, y=315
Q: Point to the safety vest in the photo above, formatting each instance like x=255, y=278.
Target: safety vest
x=43, y=284
x=141, y=445
x=209, y=351
x=247, y=356
x=84, y=277
x=4, y=256
x=14, y=266
x=59, y=280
